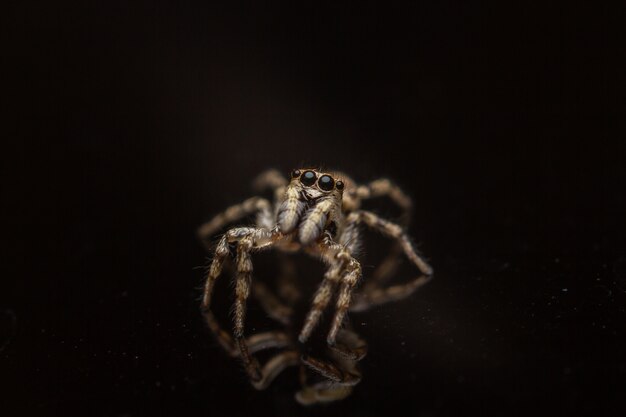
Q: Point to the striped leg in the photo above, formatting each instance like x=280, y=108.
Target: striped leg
x=375, y=295
x=385, y=188
x=242, y=292
x=246, y=240
x=343, y=270
x=234, y=213
x=322, y=297
x=349, y=279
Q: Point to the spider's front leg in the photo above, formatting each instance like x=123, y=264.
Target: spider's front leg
x=344, y=271
x=246, y=240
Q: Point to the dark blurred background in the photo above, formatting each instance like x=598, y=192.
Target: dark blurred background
x=131, y=123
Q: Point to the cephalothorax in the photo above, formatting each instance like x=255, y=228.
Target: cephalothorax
x=317, y=213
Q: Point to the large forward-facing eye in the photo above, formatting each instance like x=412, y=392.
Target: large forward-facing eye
x=308, y=178
x=326, y=182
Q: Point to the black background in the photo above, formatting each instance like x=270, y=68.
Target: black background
x=130, y=123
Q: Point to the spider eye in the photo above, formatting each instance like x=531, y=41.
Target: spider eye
x=308, y=178
x=295, y=173
x=326, y=182
x=340, y=185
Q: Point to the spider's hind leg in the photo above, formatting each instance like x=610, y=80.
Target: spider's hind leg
x=232, y=214
x=386, y=188
x=375, y=294
x=272, y=178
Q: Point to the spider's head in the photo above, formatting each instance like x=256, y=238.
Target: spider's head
x=313, y=184
x=311, y=203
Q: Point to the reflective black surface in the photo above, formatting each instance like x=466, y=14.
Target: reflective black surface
x=130, y=124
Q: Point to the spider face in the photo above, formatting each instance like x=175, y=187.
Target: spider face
x=315, y=184
x=312, y=204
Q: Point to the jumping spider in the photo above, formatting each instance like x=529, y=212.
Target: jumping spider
x=317, y=213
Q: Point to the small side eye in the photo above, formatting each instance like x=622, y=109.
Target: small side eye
x=295, y=173
x=340, y=185
x=326, y=182
x=308, y=178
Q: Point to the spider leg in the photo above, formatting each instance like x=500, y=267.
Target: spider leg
x=322, y=297
x=343, y=269
x=272, y=178
x=233, y=213
x=272, y=339
x=278, y=304
x=243, y=261
x=331, y=371
x=373, y=294
x=246, y=239
x=381, y=188
x=340, y=376
x=275, y=366
x=386, y=188
x=277, y=363
x=257, y=342
x=349, y=280
x=321, y=392
x=386, y=269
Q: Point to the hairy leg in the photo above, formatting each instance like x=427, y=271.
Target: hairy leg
x=272, y=179
x=373, y=294
x=321, y=299
x=246, y=239
x=346, y=271
x=243, y=261
x=386, y=188
x=349, y=280
x=234, y=213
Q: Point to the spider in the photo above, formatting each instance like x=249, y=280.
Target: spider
x=317, y=213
